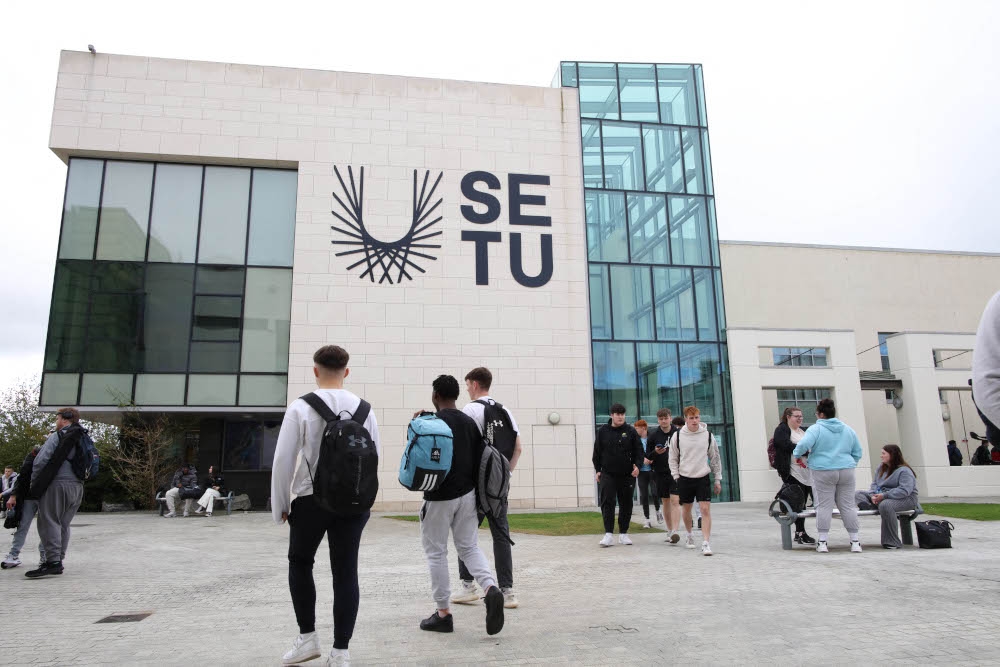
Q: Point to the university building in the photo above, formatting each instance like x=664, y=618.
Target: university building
x=222, y=221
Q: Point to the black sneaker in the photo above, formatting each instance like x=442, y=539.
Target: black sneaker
x=889, y=546
x=44, y=570
x=804, y=538
x=494, y=610
x=435, y=623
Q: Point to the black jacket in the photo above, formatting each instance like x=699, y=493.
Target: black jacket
x=981, y=457
x=783, y=449
x=215, y=480
x=467, y=450
x=617, y=449
x=661, y=462
x=954, y=455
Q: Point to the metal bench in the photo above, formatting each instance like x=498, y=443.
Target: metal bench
x=227, y=500
x=786, y=517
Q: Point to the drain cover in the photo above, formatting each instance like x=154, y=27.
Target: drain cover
x=125, y=618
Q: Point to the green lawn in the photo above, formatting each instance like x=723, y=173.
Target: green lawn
x=554, y=523
x=974, y=511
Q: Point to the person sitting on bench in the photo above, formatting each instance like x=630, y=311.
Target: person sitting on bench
x=894, y=490
x=184, y=486
x=214, y=487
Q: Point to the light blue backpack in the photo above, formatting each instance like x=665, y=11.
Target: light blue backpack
x=427, y=458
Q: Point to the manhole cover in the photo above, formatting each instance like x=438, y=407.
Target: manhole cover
x=125, y=618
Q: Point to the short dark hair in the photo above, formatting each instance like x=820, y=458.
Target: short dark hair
x=69, y=414
x=617, y=409
x=331, y=358
x=446, y=386
x=481, y=375
x=185, y=465
x=678, y=421
x=827, y=408
x=951, y=442
x=663, y=412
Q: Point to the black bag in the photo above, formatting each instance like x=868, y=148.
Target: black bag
x=191, y=493
x=934, y=534
x=346, y=477
x=493, y=484
x=792, y=494
x=498, y=429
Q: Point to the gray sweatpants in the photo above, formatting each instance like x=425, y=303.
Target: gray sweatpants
x=458, y=516
x=56, y=510
x=27, y=516
x=835, y=486
x=887, y=510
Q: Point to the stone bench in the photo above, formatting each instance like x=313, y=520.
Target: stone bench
x=786, y=517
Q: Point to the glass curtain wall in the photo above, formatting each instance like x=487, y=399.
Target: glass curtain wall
x=173, y=286
x=657, y=318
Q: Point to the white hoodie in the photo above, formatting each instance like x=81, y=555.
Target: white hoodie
x=694, y=455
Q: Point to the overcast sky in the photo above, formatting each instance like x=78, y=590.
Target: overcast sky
x=856, y=123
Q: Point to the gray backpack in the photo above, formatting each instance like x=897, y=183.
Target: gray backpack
x=494, y=484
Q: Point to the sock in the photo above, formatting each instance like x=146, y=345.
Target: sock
x=823, y=536
x=854, y=537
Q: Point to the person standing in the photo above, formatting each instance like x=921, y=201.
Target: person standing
x=7, y=483
x=58, y=489
x=25, y=507
x=296, y=455
x=894, y=490
x=657, y=452
x=452, y=508
x=647, y=483
x=954, y=454
x=477, y=383
x=214, y=485
x=788, y=434
x=834, y=451
x=617, y=456
x=694, y=456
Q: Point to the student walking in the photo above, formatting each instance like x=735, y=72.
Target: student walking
x=58, y=489
x=657, y=452
x=617, y=456
x=647, y=483
x=25, y=507
x=498, y=426
x=694, y=456
x=297, y=459
x=788, y=434
x=452, y=508
x=834, y=451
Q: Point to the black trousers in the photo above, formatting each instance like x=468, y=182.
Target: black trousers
x=308, y=524
x=800, y=524
x=647, y=490
x=503, y=560
x=620, y=488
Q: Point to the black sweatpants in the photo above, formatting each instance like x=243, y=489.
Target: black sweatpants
x=800, y=524
x=647, y=490
x=308, y=524
x=620, y=488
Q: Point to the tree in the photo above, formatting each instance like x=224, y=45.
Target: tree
x=145, y=455
x=22, y=424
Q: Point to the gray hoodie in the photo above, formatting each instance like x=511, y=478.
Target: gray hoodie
x=694, y=455
x=986, y=362
x=65, y=472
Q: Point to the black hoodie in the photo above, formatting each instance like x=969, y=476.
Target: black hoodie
x=617, y=449
x=660, y=462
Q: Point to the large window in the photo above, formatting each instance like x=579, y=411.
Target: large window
x=134, y=318
x=249, y=445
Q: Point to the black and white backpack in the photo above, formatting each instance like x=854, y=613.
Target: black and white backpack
x=346, y=477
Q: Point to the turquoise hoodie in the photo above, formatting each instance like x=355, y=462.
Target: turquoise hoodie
x=831, y=445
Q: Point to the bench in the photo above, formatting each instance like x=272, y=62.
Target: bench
x=786, y=517
x=227, y=500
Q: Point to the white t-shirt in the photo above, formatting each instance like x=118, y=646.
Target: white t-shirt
x=804, y=475
x=478, y=410
x=298, y=443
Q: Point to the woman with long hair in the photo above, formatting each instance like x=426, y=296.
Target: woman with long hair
x=894, y=490
x=214, y=485
x=788, y=434
x=834, y=451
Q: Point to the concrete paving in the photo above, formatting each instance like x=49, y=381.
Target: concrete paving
x=218, y=595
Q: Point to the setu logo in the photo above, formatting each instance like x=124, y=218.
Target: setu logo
x=387, y=258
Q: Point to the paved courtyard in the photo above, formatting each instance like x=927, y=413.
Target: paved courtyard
x=217, y=592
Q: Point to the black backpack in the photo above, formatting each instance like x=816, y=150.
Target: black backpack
x=498, y=429
x=792, y=494
x=493, y=484
x=346, y=477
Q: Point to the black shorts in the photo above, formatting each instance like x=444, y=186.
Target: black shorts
x=665, y=485
x=690, y=488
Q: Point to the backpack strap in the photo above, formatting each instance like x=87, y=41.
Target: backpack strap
x=320, y=406
x=361, y=414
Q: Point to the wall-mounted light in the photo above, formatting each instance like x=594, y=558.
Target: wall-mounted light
x=554, y=418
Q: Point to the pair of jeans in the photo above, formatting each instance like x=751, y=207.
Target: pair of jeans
x=308, y=524
x=27, y=516
x=502, y=558
x=616, y=488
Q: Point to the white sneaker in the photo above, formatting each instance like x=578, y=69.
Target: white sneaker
x=706, y=550
x=469, y=594
x=186, y=514
x=608, y=540
x=340, y=657
x=305, y=647
x=199, y=510
x=509, y=598
x=856, y=547
x=659, y=516
x=646, y=524
x=690, y=541
x=821, y=547
x=169, y=515
x=9, y=562
x=624, y=539
x=208, y=514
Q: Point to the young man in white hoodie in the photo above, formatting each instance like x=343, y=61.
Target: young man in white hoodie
x=694, y=454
